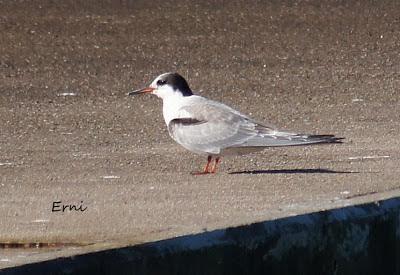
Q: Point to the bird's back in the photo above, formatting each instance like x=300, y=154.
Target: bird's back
x=205, y=126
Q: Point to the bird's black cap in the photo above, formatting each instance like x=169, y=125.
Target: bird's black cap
x=177, y=82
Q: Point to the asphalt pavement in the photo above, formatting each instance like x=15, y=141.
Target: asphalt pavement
x=70, y=135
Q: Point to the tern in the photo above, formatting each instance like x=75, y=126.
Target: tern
x=208, y=127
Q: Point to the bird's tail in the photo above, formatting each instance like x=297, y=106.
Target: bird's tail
x=311, y=139
x=292, y=139
x=278, y=138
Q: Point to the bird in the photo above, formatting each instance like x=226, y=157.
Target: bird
x=211, y=128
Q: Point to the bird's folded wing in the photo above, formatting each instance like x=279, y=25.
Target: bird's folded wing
x=209, y=127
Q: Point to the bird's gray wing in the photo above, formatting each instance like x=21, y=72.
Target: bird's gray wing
x=275, y=138
x=208, y=127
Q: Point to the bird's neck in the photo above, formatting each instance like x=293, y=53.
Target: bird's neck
x=171, y=106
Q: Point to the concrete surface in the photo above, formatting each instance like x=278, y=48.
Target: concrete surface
x=361, y=239
x=69, y=133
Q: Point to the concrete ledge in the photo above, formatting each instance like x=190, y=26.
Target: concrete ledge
x=363, y=239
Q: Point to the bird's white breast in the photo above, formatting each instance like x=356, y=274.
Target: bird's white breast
x=172, y=107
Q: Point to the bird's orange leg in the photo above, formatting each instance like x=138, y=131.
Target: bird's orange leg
x=206, y=168
x=214, y=169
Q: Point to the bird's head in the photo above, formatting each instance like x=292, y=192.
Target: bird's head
x=166, y=85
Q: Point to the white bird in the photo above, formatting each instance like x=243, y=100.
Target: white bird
x=208, y=127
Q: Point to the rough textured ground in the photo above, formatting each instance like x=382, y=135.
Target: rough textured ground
x=68, y=132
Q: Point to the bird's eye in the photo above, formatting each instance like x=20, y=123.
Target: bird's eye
x=161, y=82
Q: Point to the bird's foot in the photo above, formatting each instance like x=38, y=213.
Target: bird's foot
x=207, y=169
x=200, y=173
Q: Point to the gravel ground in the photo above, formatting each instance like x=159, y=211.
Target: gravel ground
x=69, y=133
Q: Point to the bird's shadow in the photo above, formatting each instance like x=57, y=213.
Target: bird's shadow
x=294, y=171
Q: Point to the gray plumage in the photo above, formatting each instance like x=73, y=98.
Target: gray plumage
x=214, y=128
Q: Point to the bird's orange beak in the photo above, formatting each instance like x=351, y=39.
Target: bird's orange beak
x=142, y=91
